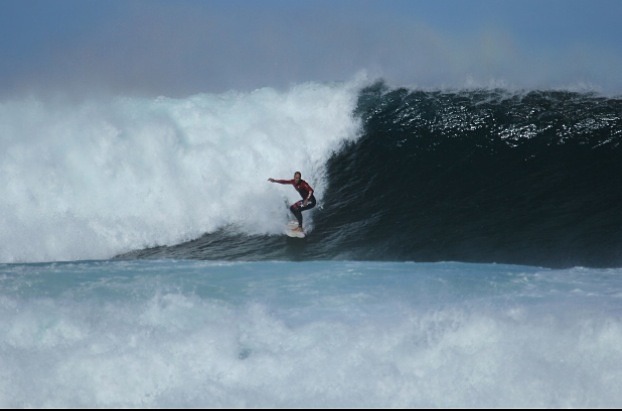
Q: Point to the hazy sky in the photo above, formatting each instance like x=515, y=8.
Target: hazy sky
x=179, y=47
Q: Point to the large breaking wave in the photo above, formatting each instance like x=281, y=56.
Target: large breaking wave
x=470, y=175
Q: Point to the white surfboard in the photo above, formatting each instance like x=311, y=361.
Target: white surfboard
x=291, y=232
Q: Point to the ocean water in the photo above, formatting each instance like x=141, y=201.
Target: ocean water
x=466, y=250
x=172, y=333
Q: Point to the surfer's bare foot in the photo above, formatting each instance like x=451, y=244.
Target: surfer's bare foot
x=298, y=229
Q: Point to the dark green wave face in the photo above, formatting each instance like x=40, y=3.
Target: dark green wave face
x=479, y=176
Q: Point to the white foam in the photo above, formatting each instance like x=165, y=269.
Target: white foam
x=271, y=335
x=91, y=179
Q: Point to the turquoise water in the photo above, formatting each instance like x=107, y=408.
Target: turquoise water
x=174, y=333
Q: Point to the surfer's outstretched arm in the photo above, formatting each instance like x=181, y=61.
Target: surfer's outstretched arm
x=272, y=180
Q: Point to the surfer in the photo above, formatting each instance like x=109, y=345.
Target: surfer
x=305, y=191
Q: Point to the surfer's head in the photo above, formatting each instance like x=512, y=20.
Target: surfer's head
x=297, y=176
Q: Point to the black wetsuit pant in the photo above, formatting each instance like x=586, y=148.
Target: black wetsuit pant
x=297, y=208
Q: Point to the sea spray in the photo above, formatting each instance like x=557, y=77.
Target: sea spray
x=91, y=179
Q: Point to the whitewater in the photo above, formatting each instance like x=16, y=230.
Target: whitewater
x=143, y=265
x=170, y=333
x=92, y=179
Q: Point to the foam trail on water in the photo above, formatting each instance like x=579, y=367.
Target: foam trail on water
x=92, y=179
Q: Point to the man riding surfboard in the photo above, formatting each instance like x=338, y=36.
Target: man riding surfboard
x=305, y=191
